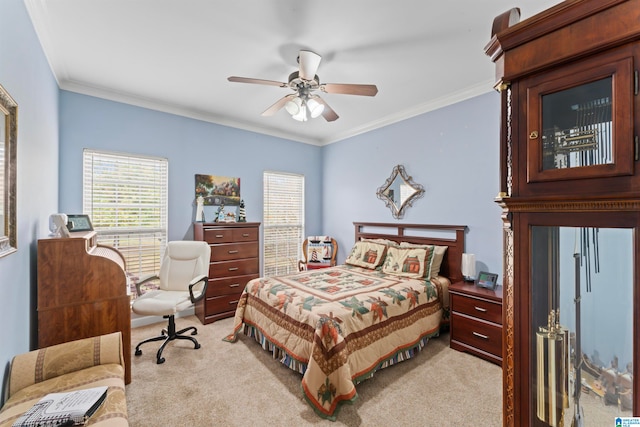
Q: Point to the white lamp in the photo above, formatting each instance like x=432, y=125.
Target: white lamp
x=469, y=267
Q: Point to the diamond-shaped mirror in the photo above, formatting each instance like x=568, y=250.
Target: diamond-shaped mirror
x=399, y=191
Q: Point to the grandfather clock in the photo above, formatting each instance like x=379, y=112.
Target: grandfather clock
x=570, y=198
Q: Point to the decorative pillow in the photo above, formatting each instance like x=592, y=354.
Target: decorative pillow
x=438, y=256
x=366, y=254
x=409, y=262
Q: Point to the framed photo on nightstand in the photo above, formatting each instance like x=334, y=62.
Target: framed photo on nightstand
x=487, y=280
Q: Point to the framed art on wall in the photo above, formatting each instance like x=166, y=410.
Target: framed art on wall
x=218, y=190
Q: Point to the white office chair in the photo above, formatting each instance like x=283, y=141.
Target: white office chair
x=183, y=282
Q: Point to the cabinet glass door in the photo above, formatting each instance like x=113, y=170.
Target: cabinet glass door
x=579, y=123
x=576, y=126
x=582, y=320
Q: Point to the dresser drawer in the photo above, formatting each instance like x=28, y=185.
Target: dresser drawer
x=234, y=251
x=228, y=235
x=245, y=234
x=221, y=304
x=485, y=310
x=477, y=334
x=229, y=285
x=239, y=267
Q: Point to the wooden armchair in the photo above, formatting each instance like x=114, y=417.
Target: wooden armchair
x=322, y=255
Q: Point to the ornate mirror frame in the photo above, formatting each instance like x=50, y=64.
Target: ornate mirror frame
x=8, y=173
x=399, y=191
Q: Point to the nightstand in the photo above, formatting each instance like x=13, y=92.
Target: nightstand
x=476, y=320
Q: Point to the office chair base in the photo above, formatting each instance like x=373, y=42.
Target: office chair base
x=167, y=335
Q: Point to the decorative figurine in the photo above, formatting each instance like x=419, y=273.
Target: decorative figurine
x=200, y=209
x=220, y=213
x=242, y=214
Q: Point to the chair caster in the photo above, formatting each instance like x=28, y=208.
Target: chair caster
x=197, y=346
x=160, y=361
x=138, y=352
x=194, y=333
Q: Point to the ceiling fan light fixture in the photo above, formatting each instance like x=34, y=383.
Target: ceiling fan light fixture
x=301, y=116
x=315, y=108
x=303, y=103
x=293, y=106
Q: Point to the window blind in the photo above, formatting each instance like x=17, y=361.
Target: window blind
x=283, y=222
x=126, y=198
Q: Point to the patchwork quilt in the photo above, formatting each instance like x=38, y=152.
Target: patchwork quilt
x=338, y=325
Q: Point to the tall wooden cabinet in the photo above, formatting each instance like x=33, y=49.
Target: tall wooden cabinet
x=82, y=292
x=234, y=261
x=570, y=195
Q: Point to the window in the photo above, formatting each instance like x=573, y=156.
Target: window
x=283, y=222
x=126, y=198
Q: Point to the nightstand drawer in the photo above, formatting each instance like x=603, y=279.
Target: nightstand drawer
x=478, y=308
x=478, y=334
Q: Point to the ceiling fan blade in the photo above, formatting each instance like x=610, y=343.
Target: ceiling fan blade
x=278, y=105
x=237, y=79
x=309, y=63
x=328, y=113
x=349, y=89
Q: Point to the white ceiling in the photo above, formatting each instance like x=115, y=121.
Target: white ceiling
x=175, y=55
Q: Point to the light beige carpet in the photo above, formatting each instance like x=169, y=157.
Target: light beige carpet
x=239, y=384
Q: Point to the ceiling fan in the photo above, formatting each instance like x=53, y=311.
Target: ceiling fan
x=303, y=103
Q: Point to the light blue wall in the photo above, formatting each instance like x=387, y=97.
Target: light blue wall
x=453, y=152
x=25, y=74
x=192, y=147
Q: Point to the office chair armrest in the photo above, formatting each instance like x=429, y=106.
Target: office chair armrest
x=144, y=279
x=205, y=280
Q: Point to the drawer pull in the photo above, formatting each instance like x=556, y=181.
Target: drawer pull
x=219, y=236
x=233, y=268
x=233, y=252
x=484, y=337
x=234, y=302
x=234, y=285
x=484, y=310
x=245, y=234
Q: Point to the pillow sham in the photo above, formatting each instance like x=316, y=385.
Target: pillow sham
x=385, y=242
x=409, y=262
x=438, y=255
x=366, y=254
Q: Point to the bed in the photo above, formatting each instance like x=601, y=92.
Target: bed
x=337, y=326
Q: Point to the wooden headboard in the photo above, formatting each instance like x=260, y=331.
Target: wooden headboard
x=426, y=234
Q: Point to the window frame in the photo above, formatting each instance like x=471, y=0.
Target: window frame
x=143, y=243
x=283, y=229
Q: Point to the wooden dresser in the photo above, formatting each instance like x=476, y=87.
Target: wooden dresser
x=82, y=292
x=234, y=261
x=476, y=320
